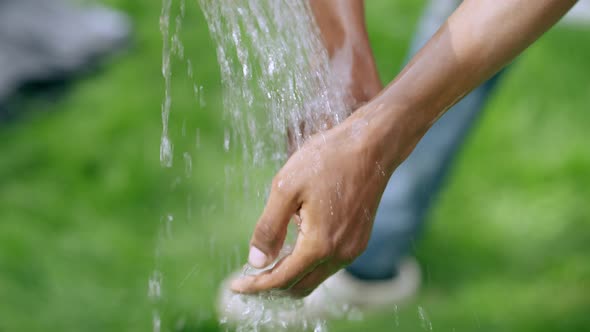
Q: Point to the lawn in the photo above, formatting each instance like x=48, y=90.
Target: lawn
x=84, y=201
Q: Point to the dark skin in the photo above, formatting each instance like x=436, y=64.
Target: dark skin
x=344, y=34
x=335, y=180
x=343, y=29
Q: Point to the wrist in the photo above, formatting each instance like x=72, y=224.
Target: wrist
x=390, y=132
x=354, y=67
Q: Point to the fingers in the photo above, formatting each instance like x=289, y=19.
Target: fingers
x=286, y=273
x=312, y=280
x=271, y=228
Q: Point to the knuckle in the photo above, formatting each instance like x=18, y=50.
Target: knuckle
x=284, y=186
x=266, y=232
x=277, y=183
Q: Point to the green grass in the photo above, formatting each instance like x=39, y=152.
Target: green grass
x=82, y=195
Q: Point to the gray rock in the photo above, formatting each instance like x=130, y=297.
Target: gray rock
x=42, y=40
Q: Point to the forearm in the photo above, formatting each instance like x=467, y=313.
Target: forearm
x=479, y=39
x=343, y=30
x=341, y=23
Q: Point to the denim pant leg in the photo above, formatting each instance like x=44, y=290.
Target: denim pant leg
x=414, y=183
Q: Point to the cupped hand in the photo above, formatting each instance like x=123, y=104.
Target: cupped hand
x=333, y=183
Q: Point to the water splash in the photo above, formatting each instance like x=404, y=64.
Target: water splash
x=172, y=47
x=276, y=78
x=271, y=311
x=166, y=157
x=275, y=74
x=277, y=83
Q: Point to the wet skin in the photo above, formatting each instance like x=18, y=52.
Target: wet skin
x=335, y=180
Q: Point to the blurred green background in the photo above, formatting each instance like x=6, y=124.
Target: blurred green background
x=83, y=198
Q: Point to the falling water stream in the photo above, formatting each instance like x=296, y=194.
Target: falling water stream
x=276, y=83
x=275, y=74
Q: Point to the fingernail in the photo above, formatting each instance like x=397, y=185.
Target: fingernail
x=256, y=258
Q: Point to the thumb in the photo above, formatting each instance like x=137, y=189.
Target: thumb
x=271, y=230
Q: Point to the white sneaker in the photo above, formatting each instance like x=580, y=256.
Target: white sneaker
x=340, y=296
x=346, y=292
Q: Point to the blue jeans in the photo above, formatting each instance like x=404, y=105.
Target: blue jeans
x=415, y=182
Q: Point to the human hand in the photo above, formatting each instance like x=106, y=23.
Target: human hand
x=359, y=83
x=334, y=184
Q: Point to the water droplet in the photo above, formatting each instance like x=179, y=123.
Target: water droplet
x=196, y=91
x=226, y=139
x=166, y=152
x=189, y=68
x=177, y=47
x=426, y=323
x=380, y=169
x=168, y=224
x=202, y=101
x=188, y=164
x=189, y=207
x=156, y=321
x=182, y=8
x=155, y=286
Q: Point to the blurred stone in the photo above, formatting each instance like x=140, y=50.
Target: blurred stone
x=46, y=40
